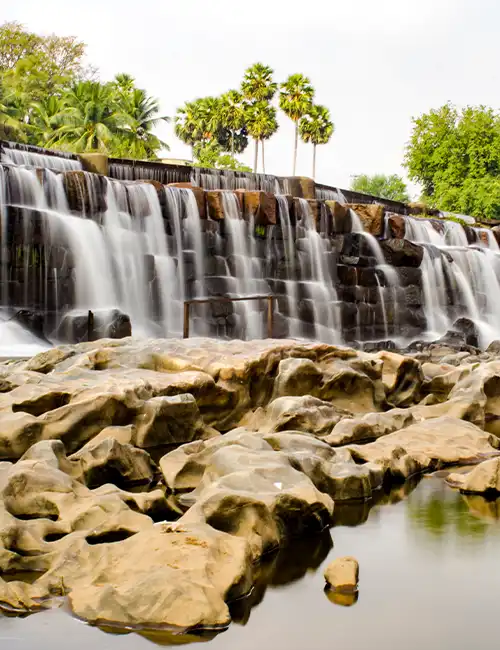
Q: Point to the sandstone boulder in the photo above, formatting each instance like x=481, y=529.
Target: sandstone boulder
x=167, y=420
x=109, y=461
x=483, y=479
x=396, y=226
x=428, y=445
x=369, y=427
x=402, y=378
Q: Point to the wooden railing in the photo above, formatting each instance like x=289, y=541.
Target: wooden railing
x=202, y=301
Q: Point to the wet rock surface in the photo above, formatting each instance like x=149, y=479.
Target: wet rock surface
x=238, y=449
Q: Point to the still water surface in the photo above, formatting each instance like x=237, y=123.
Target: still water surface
x=429, y=577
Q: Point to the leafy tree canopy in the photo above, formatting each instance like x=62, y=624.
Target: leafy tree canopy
x=455, y=155
x=385, y=187
x=210, y=154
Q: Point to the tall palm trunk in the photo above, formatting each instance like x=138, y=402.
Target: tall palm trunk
x=256, y=156
x=295, y=146
x=232, y=143
x=263, y=161
x=314, y=161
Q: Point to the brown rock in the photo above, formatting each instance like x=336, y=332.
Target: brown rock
x=371, y=216
x=483, y=479
x=341, y=216
x=396, y=226
x=199, y=194
x=259, y=207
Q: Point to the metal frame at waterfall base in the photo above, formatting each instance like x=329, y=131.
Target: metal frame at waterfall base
x=201, y=301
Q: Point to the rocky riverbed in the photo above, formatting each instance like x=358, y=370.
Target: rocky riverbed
x=145, y=482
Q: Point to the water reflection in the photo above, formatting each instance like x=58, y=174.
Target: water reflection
x=435, y=512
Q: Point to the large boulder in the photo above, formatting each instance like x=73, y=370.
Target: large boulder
x=483, y=479
x=402, y=378
x=76, y=326
x=341, y=217
x=306, y=413
x=428, y=445
x=168, y=420
x=369, y=427
x=109, y=461
x=401, y=252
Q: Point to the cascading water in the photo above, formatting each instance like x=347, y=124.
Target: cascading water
x=320, y=287
x=246, y=272
x=392, y=284
x=458, y=279
x=294, y=324
x=32, y=159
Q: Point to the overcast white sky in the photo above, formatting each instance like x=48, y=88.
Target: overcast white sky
x=375, y=64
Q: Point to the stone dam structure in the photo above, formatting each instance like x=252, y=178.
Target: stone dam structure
x=134, y=241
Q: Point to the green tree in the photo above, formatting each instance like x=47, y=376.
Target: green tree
x=232, y=114
x=188, y=124
x=385, y=187
x=261, y=124
x=258, y=87
x=296, y=97
x=57, y=60
x=210, y=154
x=316, y=127
x=455, y=155
x=11, y=115
x=91, y=120
x=140, y=115
x=46, y=117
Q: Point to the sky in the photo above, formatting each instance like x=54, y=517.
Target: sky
x=374, y=64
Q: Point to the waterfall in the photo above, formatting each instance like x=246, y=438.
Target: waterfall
x=320, y=287
x=458, y=280
x=292, y=298
x=390, y=274
x=245, y=267
x=33, y=159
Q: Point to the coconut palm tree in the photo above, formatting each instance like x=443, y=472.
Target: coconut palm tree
x=45, y=118
x=142, y=116
x=232, y=113
x=316, y=127
x=296, y=96
x=261, y=124
x=11, y=115
x=91, y=119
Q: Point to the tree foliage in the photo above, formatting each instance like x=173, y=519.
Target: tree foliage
x=316, y=128
x=49, y=98
x=455, y=155
x=296, y=100
x=210, y=154
x=385, y=187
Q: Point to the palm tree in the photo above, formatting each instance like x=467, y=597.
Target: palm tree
x=316, y=127
x=296, y=96
x=142, y=117
x=258, y=86
x=11, y=115
x=91, y=119
x=261, y=124
x=45, y=118
x=188, y=124
x=232, y=113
